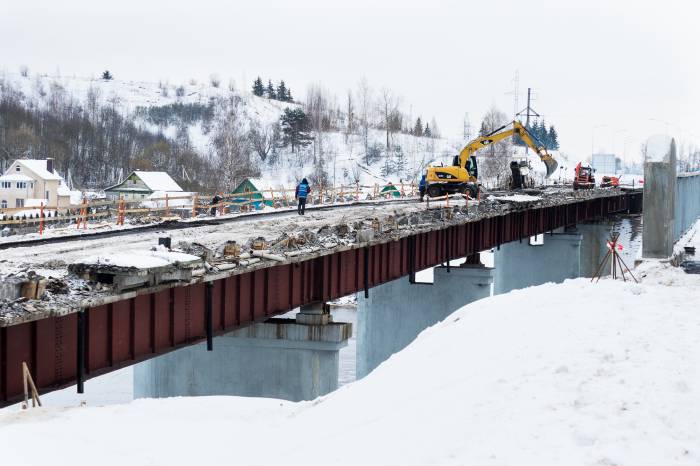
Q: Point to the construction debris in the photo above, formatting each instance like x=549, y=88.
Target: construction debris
x=75, y=281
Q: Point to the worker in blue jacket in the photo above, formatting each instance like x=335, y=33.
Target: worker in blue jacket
x=421, y=187
x=301, y=193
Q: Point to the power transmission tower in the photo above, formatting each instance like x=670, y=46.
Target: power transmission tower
x=515, y=92
x=467, y=128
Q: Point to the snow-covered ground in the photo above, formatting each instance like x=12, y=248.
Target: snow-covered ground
x=512, y=379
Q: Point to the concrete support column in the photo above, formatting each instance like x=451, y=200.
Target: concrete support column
x=659, y=198
x=519, y=265
x=280, y=358
x=396, y=312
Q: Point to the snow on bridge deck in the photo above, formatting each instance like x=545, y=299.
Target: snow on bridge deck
x=293, y=237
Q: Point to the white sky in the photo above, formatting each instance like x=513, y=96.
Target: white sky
x=594, y=63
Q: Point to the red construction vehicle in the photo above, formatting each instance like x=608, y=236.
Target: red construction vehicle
x=584, y=178
x=610, y=182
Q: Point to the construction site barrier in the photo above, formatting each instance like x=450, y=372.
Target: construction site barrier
x=194, y=204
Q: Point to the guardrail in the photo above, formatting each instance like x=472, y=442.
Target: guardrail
x=687, y=205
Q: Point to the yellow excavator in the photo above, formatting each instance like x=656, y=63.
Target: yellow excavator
x=462, y=176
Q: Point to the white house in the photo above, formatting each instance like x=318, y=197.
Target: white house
x=141, y=184
x=32, y=182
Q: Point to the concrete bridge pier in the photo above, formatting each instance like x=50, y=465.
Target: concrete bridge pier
x=520, y=264
x=292, y=359
x=396, y=312
x=594, y=240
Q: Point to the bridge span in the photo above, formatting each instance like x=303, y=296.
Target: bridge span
x=92, y=337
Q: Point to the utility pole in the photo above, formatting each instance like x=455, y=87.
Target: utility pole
x=528, y=111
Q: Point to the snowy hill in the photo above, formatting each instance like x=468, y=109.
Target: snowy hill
x=343, y=154
x=513, y=379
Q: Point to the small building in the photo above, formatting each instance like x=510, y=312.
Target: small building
x=261, y=194
x=607, y=164
x=141, y=184
x=33, y=182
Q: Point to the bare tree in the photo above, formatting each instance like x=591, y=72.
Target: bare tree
x=318, y=109
x=350, y=116
x=232, y=150
x=264, y=138
x=497, y=157
x=364, y=99
x=389, y=108
x=434, y=130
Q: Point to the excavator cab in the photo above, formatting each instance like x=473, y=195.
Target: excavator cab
x=471, y=167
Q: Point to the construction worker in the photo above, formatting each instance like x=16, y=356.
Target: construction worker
x=215, y=203
x=302, y=191
x=421, y=187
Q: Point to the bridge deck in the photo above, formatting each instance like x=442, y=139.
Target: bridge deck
x=81, y=336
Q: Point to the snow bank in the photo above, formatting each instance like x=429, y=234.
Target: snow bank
x=518, y=198
x=658, y=148
x=514, y=379
x=141, y=259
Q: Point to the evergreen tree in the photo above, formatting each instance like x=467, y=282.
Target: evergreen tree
x=426, y=132
x=418, y=129
x=399, y=161
x=258, y=88
x=389, y=166
x=271, y=90
x=553, y=139
x=536, y=131
x=544, y=136
x=282, y=92
x=107, y=75
x=289, y=96
x=295, y=128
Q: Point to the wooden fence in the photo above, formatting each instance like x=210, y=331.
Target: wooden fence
x=191, y=205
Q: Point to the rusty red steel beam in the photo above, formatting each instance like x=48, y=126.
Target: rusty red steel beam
x=133, y=330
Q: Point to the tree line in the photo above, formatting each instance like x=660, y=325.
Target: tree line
x=281, y=92
x=546, y=136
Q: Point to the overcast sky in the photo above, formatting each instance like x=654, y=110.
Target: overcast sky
x=601, y=69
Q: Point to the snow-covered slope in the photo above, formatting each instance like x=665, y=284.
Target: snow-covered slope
x=533, y=377
x=342, y=153
x=130, y=95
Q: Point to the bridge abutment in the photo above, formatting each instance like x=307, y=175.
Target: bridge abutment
x=396, y=312
x=281, y=358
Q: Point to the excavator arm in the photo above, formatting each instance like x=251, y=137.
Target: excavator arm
x=503, y=133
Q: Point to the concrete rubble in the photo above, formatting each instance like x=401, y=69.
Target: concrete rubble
x=74, y=283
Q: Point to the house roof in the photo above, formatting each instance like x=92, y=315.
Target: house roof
x=155, y=181
x=39, y=168
x=15, y=177
x=261, y=186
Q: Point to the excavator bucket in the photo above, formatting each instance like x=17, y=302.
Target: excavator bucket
x=550, y=163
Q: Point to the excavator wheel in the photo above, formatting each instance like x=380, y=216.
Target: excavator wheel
x=434, y=190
